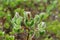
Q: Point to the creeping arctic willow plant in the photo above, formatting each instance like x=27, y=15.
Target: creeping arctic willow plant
x=35, y=26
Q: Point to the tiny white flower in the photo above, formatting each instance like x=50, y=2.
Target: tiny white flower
x=43, y=24
x=56, y=16
x=42, y=13
x=28, y=12
x=17, y=14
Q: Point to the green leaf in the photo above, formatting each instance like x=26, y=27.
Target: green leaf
x=1, y=33
x=2, y=14
x=6, y=25
x=7, y=37
x=20, y=11
x=51, y=6
x=19, y=20
x=12, y=4
x=8, y=17
x=45, y=1
x=43, y=16
x=1, y=7
x=36, y=19
x=37, y=1
x=29, y=23
x=41, y=33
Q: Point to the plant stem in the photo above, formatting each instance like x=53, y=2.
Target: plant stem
x=28, y=35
